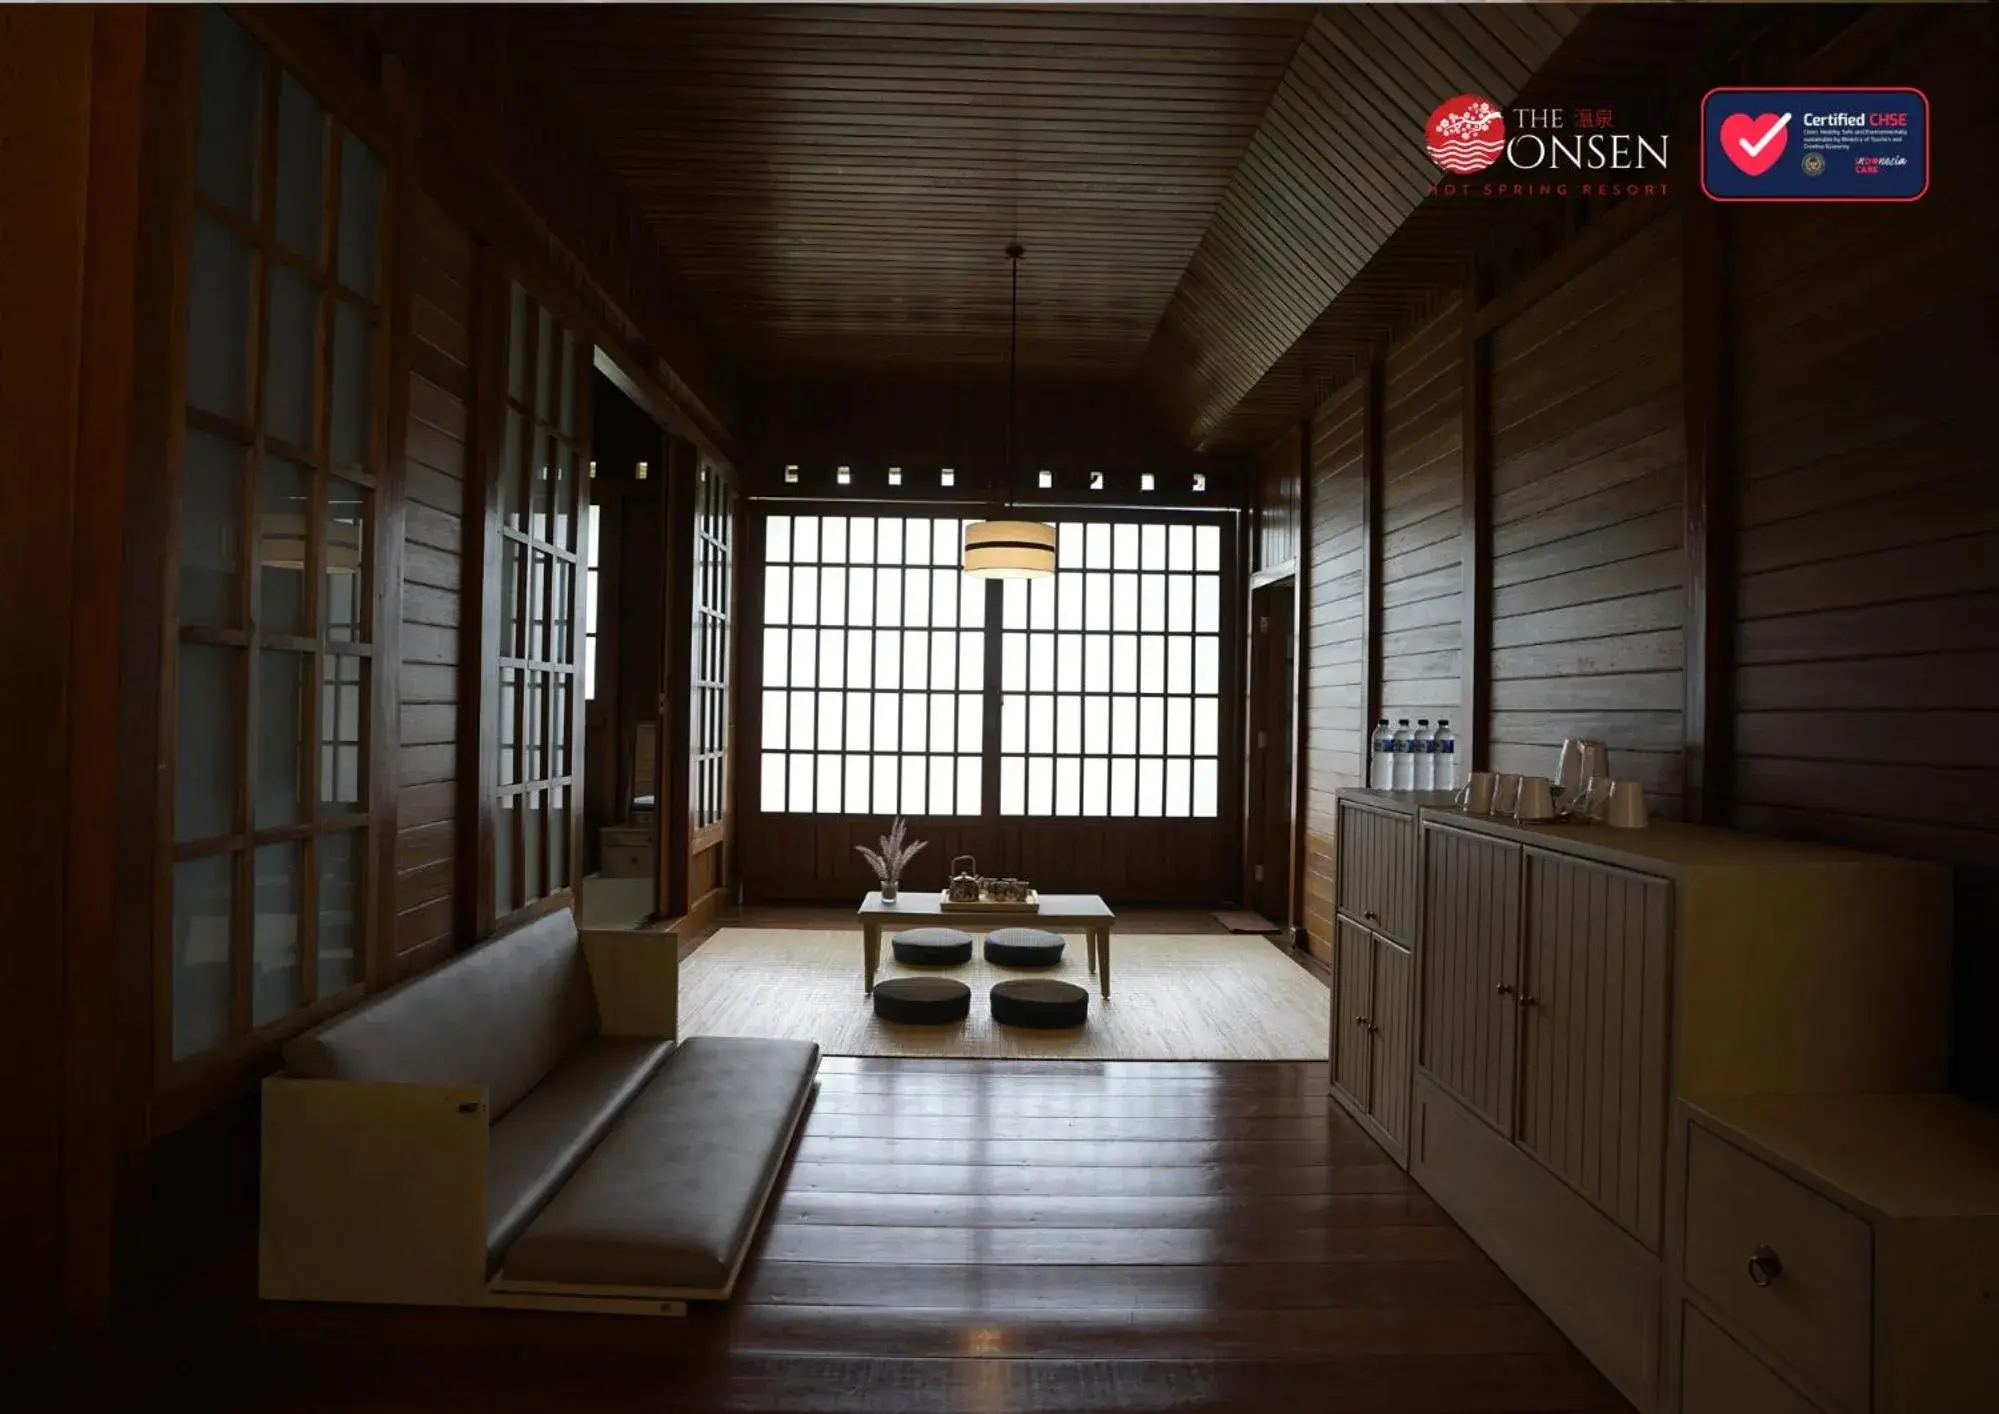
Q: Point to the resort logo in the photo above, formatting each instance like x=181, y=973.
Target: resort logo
x=1465, y=134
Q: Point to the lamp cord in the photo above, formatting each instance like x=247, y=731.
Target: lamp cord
x=1010, y=471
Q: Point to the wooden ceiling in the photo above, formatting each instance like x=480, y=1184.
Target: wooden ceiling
x=840, y=182
x=1195, y=185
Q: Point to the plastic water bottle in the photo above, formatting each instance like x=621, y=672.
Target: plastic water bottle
x=1446, y=749
x=1381, y=757
x=1422, y=745
x=1404, y=775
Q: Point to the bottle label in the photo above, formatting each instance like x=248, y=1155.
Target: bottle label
x=1447, y=747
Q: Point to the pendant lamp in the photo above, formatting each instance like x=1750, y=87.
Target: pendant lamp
x=998, y=548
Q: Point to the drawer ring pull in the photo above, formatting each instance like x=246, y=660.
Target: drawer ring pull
x=1765, y=1266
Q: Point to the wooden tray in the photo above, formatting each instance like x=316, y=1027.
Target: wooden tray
x=1030, y=904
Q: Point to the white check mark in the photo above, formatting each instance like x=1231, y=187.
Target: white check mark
x=1752, y=148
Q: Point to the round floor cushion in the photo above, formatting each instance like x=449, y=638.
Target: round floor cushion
x=932, y=947
x=1023, y=947
x=922, y=1001
x=1040, y=1002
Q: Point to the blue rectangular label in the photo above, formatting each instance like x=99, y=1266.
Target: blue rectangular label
x=1815, y=144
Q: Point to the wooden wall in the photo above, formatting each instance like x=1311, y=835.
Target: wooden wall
x=1421, y=573
x=441, y=396
x=1335, y=641
x=1279, y=504
x=1743, y=467
x=1587, y=577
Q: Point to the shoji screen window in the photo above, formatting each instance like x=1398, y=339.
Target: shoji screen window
x=1110, y=675
x=873, y=667
x=714, y=532
x=542, y=500
x=271, y=591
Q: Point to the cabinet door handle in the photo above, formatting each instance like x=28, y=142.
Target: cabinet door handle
x=1373, y=1030
x=1765, y=1266
x=1371, y=916
x=1505, y=989
x=1527, y=1001
x=1360, y=1021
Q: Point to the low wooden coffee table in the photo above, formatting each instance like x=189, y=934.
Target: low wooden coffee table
x=1079, y=913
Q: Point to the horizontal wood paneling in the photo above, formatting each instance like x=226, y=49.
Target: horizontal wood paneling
x=433, y=584
x=1866, y=661
x=1336, y=648
x=1588, y=520
x=1279, y=484
x=1422, y=490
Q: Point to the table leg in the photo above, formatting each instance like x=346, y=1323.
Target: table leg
x=1090, y=945
x=1104, y=961
x=871, y=951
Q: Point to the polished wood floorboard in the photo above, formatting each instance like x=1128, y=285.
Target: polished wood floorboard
x=989, y=1236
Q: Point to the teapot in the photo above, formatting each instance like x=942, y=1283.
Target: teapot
x=964, y=885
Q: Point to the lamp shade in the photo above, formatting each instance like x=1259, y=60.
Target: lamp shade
x=1009, y=549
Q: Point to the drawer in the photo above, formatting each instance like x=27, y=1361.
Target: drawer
x=1717, y=1376
x=626, y=861
x=1812, y=1306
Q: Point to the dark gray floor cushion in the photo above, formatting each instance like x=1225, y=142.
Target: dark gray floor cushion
x=543, y=1139
x=932, y=947
x=669, y=1199
x=1039, y=1002
x=923, y=1001
x=1023, y=947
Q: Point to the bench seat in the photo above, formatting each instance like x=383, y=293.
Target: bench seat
x=669, y=1199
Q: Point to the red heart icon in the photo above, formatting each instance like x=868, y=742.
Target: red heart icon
x=1755, y=144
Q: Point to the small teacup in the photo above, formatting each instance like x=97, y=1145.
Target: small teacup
x=1534, y=801
x=1475, y=795
x=1627, y=806
x=1505, y=793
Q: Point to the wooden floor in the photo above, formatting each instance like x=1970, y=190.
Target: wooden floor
x=992, y=1236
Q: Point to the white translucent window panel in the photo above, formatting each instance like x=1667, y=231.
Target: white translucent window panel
x=1151, y=726
x=947, y=541
x=804, y=721
x=916, y=598
x=888, y=659
x=1013, y=785
x=1207, y=665
x=859, y=720
x=829, y=721
x=916, y=660
x=1180, y=602
x=1097, y=662
x=1151, y=664
x=971, y=661
x=805, y=539
x=1040, y=602
x=1206, y=795
x=915, y=786
x=1069, y=545
x=777, y=594
x=1040, y=786
x=1096, y=787
x=1208, y=547
x=886, y=797
x=916, y=542
x=832, y=658
x=1068, y=600
x=1152, y=602
x=1150, y=787
x=888, y=722
x=777, y=657
x=972, y=599
x=798, y=794
x=861, y=540
x=943, y=779
x=833, y=540
x=944, y=594
x=1206, y=730
x=1124, y=663
x=888, y=542
x=827, y=799
x=774, y=719
x=1208, y=603
x=1152, y=547
x=1179, y=665
x=1097, y=601
x=943, y=724
x=1013, y=663
x=860, y=659
x=1179, y=547
x=1068, y=662
x=1040, y=661
x=1124, y=724
x=1096, y=727
x=1124, y=601
x=1013, y=723
x=943, y=660
x=804, y=657
x=1040, y=724
x=1069, y=724
x=1179, y=726
x=1013, y=601
x=888, y=598
x=772, y=782
x=1068, y=786
x=1124, y=547
x=1097, y=546
x=832, y=595
x=971, y=722
x=861, y=597
x=1124, y=786
x=1178, y=787
x=855, y=795
x=777, y=538
x=968, y=786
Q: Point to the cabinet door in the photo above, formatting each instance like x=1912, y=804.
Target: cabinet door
x=1593, y=1033
x=1351, y=996
x=1377, y=852
x=1471, y=938
x=1390, y=1027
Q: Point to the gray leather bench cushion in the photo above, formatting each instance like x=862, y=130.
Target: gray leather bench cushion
x=502, y=1016
x=544, y=1137
x=669, y=1199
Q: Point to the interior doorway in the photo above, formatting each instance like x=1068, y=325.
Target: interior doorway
x=1269, y=830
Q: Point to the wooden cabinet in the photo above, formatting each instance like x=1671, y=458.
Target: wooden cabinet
x=1377, y=865
x=1372, y=1025
x=1717, y=1376
x=1471, y=942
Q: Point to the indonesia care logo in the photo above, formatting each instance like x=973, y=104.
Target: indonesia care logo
x=1465, y=134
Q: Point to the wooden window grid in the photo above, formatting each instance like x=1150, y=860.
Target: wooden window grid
x=714, y=534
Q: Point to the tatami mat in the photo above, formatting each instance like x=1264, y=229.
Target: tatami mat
x=1207, y=997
